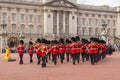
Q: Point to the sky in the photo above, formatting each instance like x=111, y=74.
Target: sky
x=111, y=3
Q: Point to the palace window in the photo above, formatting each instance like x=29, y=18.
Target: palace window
x=13, y=17
x=4, y=16
x=22, y=29
x=83, y=32
x=90, y=22
x=114, y=22
x=22, y=17
x=30, y=29
x=13, y=28
x=114, y=32
x=96, y=32
x=90, y=32
x=96, y=22
x=30, y=18
x=39, y=18
x=83, y=21
x=39, y=30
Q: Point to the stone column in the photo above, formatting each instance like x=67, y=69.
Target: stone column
x=48, y=23
x=57, y=22
x=45, y=22
x=70, y=23
x=63, y=22
x=73, y=23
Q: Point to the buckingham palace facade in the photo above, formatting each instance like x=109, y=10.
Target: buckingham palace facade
x=28, y=20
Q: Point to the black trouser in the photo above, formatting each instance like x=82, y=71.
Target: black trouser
x=31, y=60
x=43, y=61
x=67, y=54
x=38, y=57
x=103, y=55
x=83, y=56
x=58, y=55
x=78, y=57
x=87, y=57
x=54, y=58
x=74, y=58
x=61, y=57
x=47, y=57
x=92, y=56
x=21, y=58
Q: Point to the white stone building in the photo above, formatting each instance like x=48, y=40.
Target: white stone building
x=54, y=19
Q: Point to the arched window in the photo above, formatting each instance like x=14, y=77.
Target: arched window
x=39, y=30
x=13, y=30
x=96, y=32
x=114, y=32
x=90, y=32
x=83, y=31
x=30, y=29
x=22, y=28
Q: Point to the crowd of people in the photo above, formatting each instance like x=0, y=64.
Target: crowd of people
x=74, y=48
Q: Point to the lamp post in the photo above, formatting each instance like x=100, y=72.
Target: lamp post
x=104, y=32
x=3, y=35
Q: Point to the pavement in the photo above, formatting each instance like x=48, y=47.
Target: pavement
x=107, y=69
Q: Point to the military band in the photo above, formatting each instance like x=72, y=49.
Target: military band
x=73, y=49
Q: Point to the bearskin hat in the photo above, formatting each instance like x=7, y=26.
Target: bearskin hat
x=103, y=42
x=73, y=39
x=61, y=41
x=21, y=42
x=43, y=40
x=77, y=38
x=67, y=41
x=30, y=43
x=38, y=40
x=84, y=41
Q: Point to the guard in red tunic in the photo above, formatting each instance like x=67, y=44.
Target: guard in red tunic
x=61, y=50
x=48, y=48
x=104, y=49
x=31, y=51
x=91, y=48
x=78, y=48
x=73, y=50
x=21, y=51
x=43, y=52
x=67, y=49
x=83, y=49
x=54, y=51
x=37, y=48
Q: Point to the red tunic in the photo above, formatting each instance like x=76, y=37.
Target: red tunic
x=61, y=49
x=77, y=48
x=91, y=49
x=31, y=50
x=43, y=51
x=96, y=51
x=54, y=50
x=104, y=48
x=37, y=47
x=73, y=49
x=67, y=49
x=20, y=50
